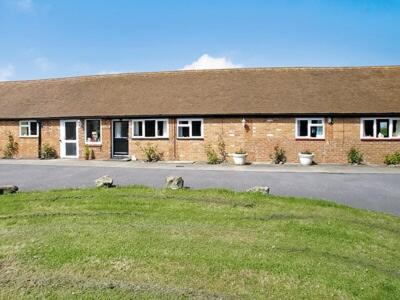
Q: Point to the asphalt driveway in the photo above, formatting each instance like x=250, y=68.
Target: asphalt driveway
x=371, y=191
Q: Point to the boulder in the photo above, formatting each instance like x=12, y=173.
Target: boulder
x=104, y=181
x=174, y=182
x=259, y=189
x=8, y=189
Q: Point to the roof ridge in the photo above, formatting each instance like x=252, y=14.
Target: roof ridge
x=172, y=72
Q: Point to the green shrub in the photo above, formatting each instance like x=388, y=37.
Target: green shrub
x=393, y=158
x=11, y=148
x=221, y=148
x=240, y=151
x=92, y=155
x=212, y=156
x=354, y=156
x=86, y=152
x=48, y=152
x=279, y=155
x=151, y=153
x=306, y=152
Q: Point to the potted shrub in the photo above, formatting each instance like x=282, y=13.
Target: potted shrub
x=306, y=158
x=239, y=157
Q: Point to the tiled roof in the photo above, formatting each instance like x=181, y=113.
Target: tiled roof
x=263, y=91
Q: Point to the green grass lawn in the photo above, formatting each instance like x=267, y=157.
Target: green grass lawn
x=137, y=242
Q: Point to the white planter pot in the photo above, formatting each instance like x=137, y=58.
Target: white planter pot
x=306, y=159
x=239, y=159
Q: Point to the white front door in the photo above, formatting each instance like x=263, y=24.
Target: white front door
x=69, y=139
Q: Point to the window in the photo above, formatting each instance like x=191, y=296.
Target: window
x=380, y=128
x=310, y=128
x=93, y=132
x=150, y=128
x=190, y=128
x=28, y=129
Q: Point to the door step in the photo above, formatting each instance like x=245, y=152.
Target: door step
x=120, y=159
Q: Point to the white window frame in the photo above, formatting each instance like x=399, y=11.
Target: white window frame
x=189, y=125
x=101, y=132
x=375, y=137
x=166, y=136
x=309, y=125
x=29, y=128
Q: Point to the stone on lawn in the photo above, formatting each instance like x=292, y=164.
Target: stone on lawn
x=104, y=181
x=174, y=182
x=8, y=189
x=259, y=189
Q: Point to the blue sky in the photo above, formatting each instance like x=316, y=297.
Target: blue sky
x=43, y=38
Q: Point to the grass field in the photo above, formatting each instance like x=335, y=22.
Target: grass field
x=137, y=242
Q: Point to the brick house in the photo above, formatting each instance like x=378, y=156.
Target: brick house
x=324, y=110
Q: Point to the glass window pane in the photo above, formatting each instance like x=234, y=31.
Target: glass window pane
x=125, y=129
x=319, y=131
x=24, y=131
x=183, y=132
x=396, y=128
x=93, y=131
x=138, y=128
x=196, y=128
x=368, y=128
x=34, y=128
x=161, y=128
x=183, y=122
x=150, y=128
x=302, y=128
x=118, y=129
x=24, y=123
x=316, y=121
x=382, y=128
x=70, y=130
x=313, y=131
x=121, y=129
x=70, y=149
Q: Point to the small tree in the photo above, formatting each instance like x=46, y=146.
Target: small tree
x=11, y=148
x=279, y=155
x=221, y=148
x=212, y=156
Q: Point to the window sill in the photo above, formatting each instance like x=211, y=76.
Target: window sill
x=190, y=138
x=94, y=144
x=150, y=138
x=380, y=139
x=310, y=139
x=28, y=136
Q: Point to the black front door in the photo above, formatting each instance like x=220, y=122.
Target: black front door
x=120, y=138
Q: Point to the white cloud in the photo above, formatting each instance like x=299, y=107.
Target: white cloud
x=43, y=64
x=7, y=72
x=105, y=72
x=24, y=4
x=208, y=62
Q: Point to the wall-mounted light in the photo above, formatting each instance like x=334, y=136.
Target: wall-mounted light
x=244, y=122
x=330, y=120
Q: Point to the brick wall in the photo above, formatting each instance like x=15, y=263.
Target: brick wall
x=28, y=146
x=258, y=138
